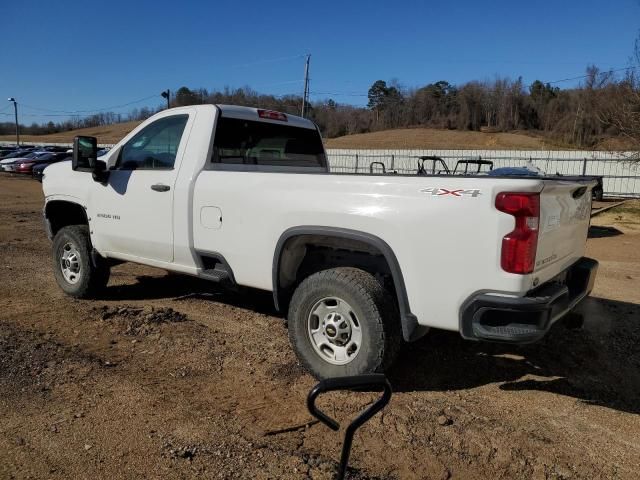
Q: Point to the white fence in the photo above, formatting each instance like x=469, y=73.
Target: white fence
x=621, y=176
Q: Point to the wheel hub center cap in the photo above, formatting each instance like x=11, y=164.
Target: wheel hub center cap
x=337, y=329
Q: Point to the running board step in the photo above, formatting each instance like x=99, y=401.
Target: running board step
x=217, y=274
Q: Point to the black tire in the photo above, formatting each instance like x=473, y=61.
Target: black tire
x=376, y=314
x=597, y=194
x=91, y=277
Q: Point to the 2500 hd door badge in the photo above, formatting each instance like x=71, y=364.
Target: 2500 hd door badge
x=108, y=215
x=441, y=192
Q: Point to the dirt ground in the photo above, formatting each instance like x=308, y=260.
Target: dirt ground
x=170, y=377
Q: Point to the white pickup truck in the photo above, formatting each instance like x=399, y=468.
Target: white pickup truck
x=358, y=262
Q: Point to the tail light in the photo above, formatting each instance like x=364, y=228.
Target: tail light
x=519, y=246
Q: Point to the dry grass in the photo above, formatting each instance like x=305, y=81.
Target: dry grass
x=105, y=134
x=434, y=138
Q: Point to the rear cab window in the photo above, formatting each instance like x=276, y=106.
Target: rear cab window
x=253, y=144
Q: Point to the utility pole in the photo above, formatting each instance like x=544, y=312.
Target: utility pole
x=15, y=108
x=305, y=96
x=167, y=94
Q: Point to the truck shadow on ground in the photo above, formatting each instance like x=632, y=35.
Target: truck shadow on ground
x=184, y=287
x=598, y=364
x=596, y=231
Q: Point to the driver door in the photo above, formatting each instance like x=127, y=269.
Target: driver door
x=133, y=212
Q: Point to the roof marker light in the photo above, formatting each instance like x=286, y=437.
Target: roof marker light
x=272, y=115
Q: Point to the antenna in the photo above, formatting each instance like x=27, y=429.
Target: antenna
x=305, y=96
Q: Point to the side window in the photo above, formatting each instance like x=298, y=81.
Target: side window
x=155, y=146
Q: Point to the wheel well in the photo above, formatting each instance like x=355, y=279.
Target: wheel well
x=302, y=251
x=60, y=213
x=305, y=255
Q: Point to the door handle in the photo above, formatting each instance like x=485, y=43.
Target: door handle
x=160, y=187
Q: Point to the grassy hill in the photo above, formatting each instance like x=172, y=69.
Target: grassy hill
x=105, y=134
x=431, y=138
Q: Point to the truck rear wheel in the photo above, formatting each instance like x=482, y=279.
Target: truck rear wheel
x=74, y=269
x=343, y=322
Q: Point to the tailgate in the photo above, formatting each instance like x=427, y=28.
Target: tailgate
x=565, y=211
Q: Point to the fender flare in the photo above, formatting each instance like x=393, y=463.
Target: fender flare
x=411, y=330
x=60, y=199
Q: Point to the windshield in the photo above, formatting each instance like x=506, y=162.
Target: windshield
x=239, y=141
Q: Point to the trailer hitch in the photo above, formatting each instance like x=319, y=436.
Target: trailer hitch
x=375, y=381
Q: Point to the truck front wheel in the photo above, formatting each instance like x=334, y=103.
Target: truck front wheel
x=343, y=322
x=75, y=271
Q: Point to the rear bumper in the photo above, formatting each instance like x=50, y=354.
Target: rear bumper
x=526, y=319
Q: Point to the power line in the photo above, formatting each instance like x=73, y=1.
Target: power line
x=51, y=112
x=269, y=60
x=588, y=75
x=611, y=71
x=41, y=115
x=287, y=82
x=95, y=110
x=343, y=94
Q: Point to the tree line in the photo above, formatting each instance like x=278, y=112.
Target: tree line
x=76, y=121
x=602, y=106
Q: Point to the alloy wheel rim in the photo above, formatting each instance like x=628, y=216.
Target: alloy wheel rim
x=334, y=330
x=70, y=263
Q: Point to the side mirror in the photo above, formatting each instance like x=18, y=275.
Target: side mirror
x=85, y=153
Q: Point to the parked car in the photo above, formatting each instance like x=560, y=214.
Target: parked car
x=7, y=164
x=55, y=148
x=5, y=150
x=48, y=157
x=37, y=172
x=16, y=153
x=11, y=165
x=361, y=262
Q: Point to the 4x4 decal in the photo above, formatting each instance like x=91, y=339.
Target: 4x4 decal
x=439, y=192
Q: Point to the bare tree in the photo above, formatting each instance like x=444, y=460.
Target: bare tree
x=621, y=108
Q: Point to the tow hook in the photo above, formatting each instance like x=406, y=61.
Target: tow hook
x=375, y=381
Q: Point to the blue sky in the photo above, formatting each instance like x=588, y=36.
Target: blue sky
x=73, y=55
